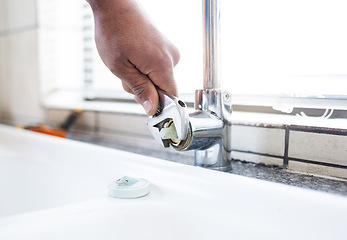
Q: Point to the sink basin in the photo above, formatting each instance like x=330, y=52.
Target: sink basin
x=55, y=188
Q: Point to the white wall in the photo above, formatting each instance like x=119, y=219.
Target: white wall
x=19, y=68
x=41, y=48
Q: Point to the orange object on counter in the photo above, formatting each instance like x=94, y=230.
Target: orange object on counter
x=48, y=130
x=60, y=131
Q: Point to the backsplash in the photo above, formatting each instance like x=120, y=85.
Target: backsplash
x=312, y=150
x=318, y=150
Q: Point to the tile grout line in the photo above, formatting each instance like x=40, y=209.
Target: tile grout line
x=257, y=153
x=326, y=164
x=294, y=159
x=96, y=122
x=286, y=146
x=320, y=130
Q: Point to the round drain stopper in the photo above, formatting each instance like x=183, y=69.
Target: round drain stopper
x=127, y=187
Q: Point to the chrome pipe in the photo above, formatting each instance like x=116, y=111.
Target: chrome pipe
x=211, y=44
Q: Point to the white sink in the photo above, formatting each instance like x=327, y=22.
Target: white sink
x=53, y=188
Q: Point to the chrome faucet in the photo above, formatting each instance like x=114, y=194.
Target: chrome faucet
x=208, y=129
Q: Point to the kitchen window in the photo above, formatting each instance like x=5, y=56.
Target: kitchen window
x=277, y=56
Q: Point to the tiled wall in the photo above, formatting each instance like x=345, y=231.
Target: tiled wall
x=313, y=150
x=318, y=150
x=19, y=70
x=94, y=122
x=39, y=52
x=308, y=149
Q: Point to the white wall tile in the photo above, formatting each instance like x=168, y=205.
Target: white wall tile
x=4, y=91
x=317, y=169
x=19, y=100
x=255, y=158
x=257, y=139
x=318, y=147
x=2, y=59
x=2, y=15
x=19, y=13
x=86, y=120
x=56, y=116
x=21, y=57
x=124, y=123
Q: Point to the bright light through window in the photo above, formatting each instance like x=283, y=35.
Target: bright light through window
x=295, y=48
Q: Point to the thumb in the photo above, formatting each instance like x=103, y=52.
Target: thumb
x=145, y=93
x=139, y=84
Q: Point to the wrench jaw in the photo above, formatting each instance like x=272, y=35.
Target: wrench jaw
x=155, y=126
x=207, y=130
x=171, y=112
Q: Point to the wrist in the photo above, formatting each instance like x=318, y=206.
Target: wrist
x=104, y=5
x=99, y=4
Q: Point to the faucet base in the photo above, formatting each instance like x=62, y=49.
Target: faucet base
x=213, y=158
x=221, y=169
x=209, y=131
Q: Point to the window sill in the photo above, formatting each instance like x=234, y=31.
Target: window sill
x=69, y=100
